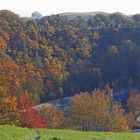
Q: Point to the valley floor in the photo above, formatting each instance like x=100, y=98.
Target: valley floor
x=17, y=133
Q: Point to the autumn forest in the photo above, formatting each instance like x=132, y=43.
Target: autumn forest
x=90, y=58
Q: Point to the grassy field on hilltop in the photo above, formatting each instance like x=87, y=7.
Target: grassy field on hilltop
x=16, y=133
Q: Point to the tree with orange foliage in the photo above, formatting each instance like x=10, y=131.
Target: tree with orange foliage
x=81, y=111
x=32, y=81
x=55, y=75
x=55, y=117
x=118, y=120
x=9, y=77
x=9, y=89
x=15, y=107
x=97, y=112
x=30, y=117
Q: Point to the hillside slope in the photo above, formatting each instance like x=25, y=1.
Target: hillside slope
x=56, y=56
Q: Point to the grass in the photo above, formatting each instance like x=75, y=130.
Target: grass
x=16, y=133
x=47, y=134
x=8, y=132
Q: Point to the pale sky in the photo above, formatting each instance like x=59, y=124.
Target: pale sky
x=47, y=7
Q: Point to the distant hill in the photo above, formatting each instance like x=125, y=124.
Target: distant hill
x=86, y=15
x=83, y=13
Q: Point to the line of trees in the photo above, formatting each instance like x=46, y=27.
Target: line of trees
x=88, y=111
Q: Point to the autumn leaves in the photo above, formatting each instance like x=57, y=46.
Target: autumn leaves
x=96, y=111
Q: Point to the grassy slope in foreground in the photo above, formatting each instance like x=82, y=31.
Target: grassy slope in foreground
x=16, y=133
x=79, y=135
x=8, y=132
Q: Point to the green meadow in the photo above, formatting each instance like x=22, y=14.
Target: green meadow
x=79, y=135
x=8, y=132
x=16, y=133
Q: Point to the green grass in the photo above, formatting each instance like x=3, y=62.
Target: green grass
x=16, y=133
x=8, y=132
x=78, y=135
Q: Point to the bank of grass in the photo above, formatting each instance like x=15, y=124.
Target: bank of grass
x=47, y=134
x=8, y=132
x=16, y=133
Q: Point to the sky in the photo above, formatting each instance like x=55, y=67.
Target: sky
x=48, y=7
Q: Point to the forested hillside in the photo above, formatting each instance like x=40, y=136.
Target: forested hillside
x=57, y=56
x=60, y=55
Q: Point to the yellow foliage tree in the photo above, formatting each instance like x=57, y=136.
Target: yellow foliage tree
x=9, y=113
x=55, y=118
x=96, y=111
